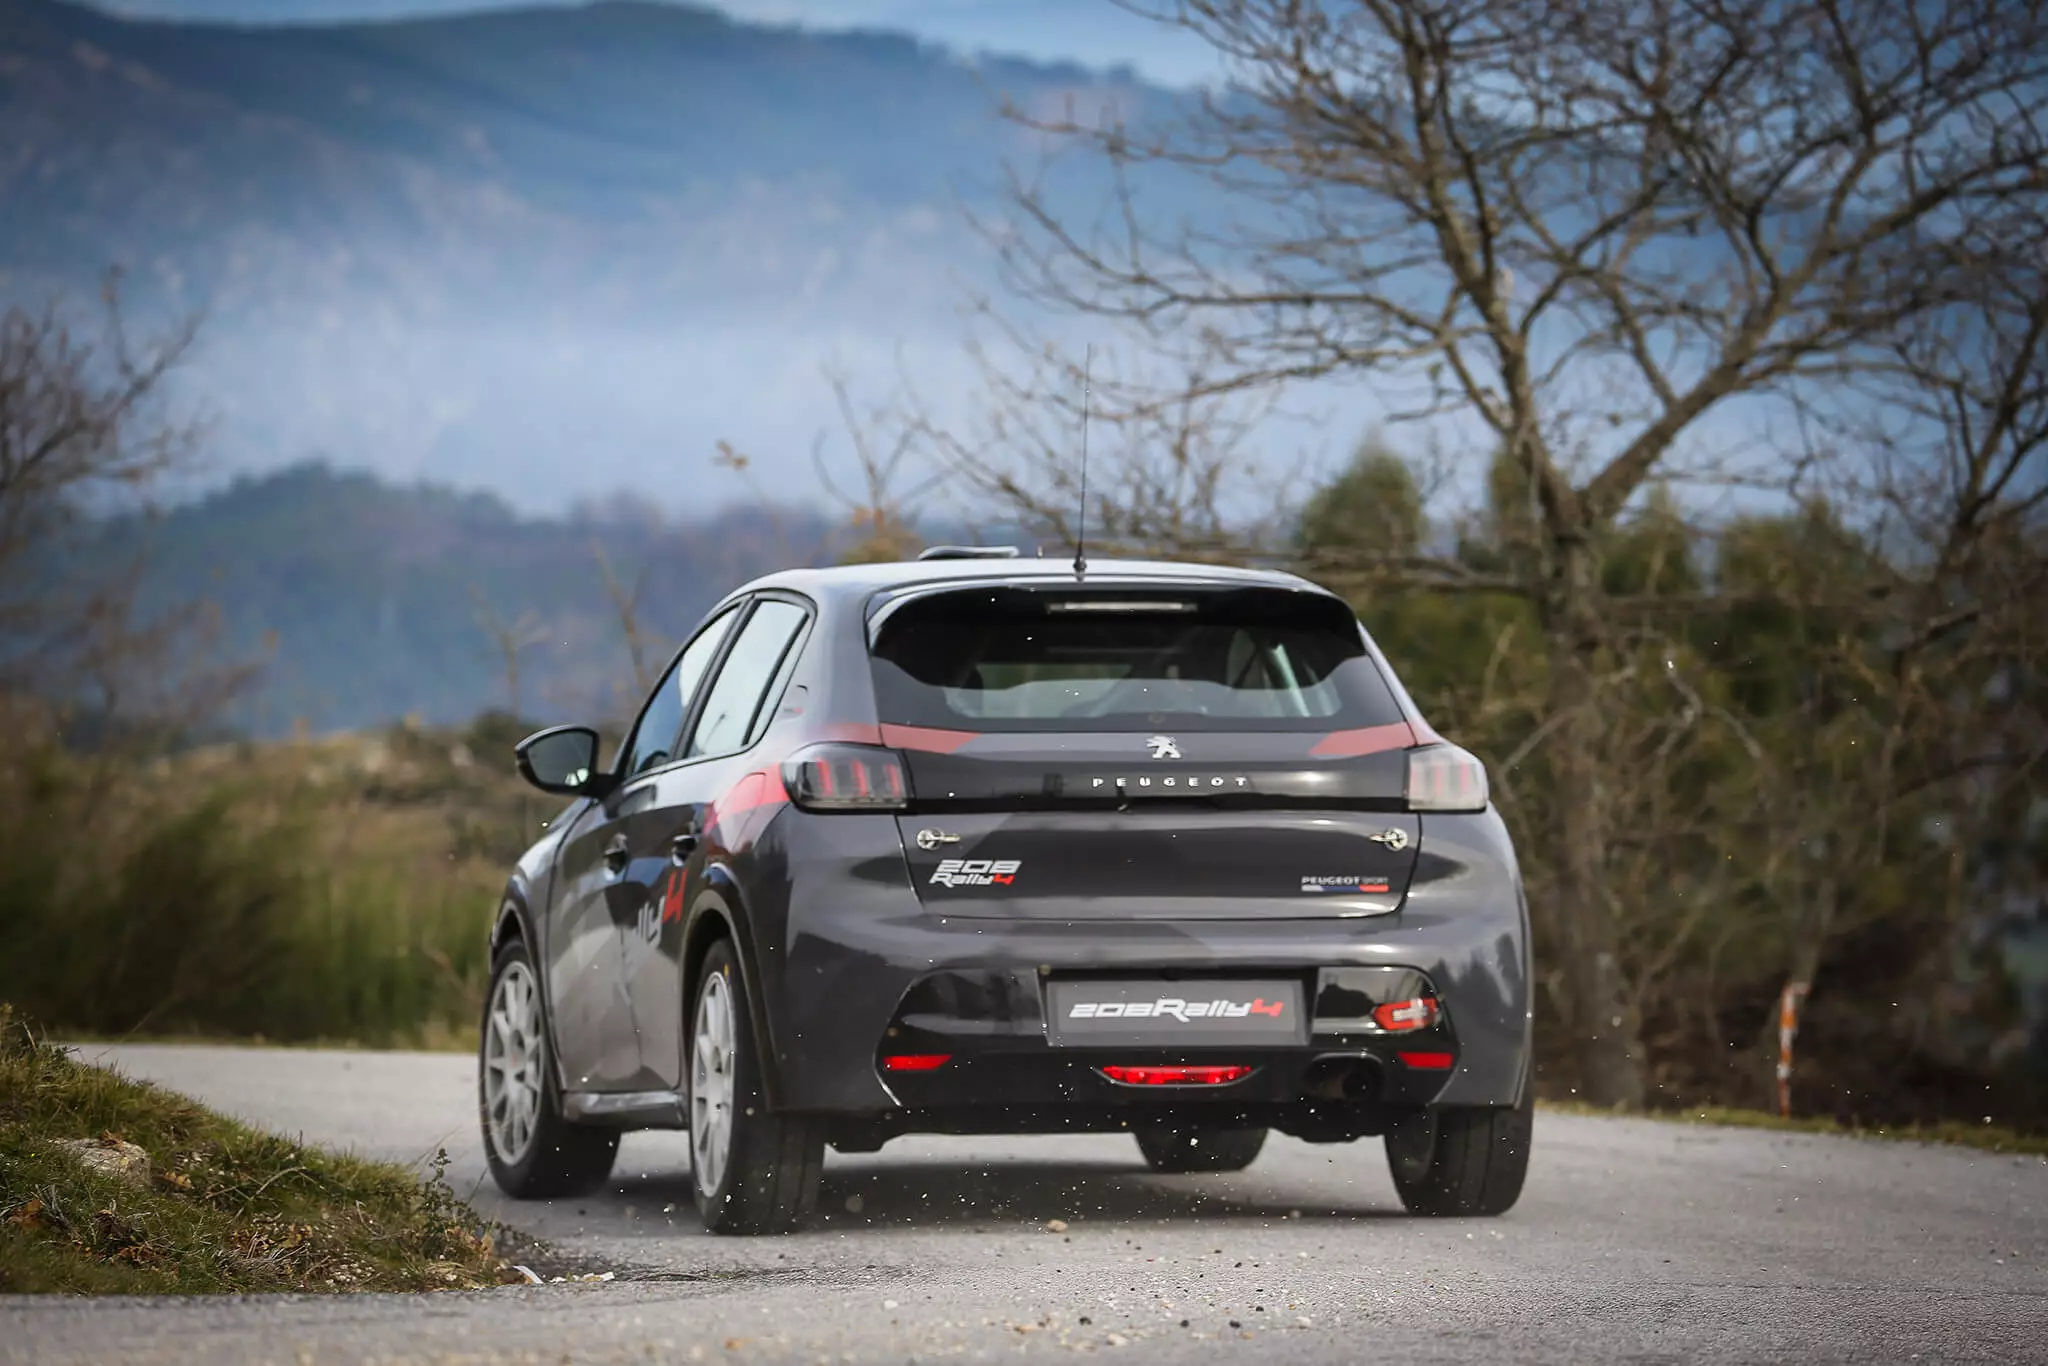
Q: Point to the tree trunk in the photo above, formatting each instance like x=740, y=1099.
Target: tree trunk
x=1605, y=1030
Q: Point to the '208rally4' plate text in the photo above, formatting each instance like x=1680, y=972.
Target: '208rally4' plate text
x=1170, y=1014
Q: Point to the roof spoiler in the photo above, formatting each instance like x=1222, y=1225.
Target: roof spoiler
x=969, y=552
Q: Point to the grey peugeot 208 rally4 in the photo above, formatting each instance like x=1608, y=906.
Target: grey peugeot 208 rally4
x=977, y=845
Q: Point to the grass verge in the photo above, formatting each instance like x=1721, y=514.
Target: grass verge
x=1987, y=1137
x=218, y=1206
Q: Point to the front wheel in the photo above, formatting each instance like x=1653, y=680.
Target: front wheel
x=1457, y=1160
x=753, y=1171
x=1184, y=1148
x=532, y=1150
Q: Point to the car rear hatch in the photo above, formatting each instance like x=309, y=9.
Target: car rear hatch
x=1119, y=752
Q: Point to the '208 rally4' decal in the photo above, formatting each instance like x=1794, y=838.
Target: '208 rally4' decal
x=976, y=872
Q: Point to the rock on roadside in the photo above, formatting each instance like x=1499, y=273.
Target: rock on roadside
x=113, y=1156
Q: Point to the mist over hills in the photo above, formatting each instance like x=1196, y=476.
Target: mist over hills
x=548, y=252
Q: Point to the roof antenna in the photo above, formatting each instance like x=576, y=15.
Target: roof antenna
x=1081, y=530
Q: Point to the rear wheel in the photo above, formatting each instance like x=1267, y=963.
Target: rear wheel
x=532, y=1150
x=753, y=1171
x=1450, y=1161
x=1190, y=1148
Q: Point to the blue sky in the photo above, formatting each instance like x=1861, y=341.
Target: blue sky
x=1093, y=31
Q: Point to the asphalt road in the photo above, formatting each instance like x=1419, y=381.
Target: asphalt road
x=1635, y=1241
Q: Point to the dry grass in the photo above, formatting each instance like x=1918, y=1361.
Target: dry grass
x=322, y=891
x=1988, y=1137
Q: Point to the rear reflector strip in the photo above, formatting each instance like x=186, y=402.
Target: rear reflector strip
x=915, y=1062
x=1178, y=1076
x=1429, y=1062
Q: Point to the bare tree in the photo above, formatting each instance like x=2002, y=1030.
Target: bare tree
x=626, y=605
x=80, y=418
x=1577, y=230
x=512, y=638
x=86, y=433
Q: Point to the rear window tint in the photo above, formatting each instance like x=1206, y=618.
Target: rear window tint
x=1037, y=660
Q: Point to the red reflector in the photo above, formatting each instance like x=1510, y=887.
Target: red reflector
x=1434, y=1062
x=1398, y=1017
x=1178, y=1076
x=915, y=1062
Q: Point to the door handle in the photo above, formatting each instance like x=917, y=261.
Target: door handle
x=680, y=848
x=615, y=855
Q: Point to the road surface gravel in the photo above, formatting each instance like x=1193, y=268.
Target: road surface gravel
x=1636, y=1241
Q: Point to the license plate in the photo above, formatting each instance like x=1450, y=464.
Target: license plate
x=1173, y=1014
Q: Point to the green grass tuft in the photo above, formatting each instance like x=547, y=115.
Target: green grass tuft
x=225, y=1207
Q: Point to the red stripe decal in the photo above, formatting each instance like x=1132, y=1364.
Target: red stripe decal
x=851, y=733
x=761, y=788
x=1351, y=744
x=927, y=739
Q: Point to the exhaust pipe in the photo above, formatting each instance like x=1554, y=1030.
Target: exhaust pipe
x=1342, y=1076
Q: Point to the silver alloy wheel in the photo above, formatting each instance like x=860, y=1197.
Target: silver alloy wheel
x=512, y=1063
x=713, y=1051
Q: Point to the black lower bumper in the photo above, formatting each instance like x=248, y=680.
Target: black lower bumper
x=1322, y=1094
x=968, y=1053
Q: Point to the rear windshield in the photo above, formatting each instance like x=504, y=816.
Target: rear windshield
x=1025, y=660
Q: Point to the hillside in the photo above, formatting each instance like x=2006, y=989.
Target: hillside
x=547, y=251
x=373, y=601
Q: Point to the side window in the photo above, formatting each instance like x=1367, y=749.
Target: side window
x=777, y=686
x=655, y=736
x=735, y=698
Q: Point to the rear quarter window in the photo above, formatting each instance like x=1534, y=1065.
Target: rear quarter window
x=1037, y=660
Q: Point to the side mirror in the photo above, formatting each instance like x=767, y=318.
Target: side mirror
x=563, y=760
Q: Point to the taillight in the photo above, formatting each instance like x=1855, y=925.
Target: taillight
x=1445, y=778
x=915, y=1062
x=1399, y=1017
x=846, y=778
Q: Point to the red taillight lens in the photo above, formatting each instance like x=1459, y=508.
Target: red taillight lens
x=1428, y=1062
x=1399, y=1017
x=915, y=1062
x=1192, y=1075
x=846, y=778
x=1445, y=778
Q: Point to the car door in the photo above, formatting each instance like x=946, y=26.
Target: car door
x=724, y=730
x=601, y=889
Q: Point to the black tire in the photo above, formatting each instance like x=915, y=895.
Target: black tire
x=1461, y=1161
x=774, y=1163
x=561, y=1158
x=1187, y=1148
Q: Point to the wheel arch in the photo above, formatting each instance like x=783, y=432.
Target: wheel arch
x=719, y=913
x=515, y=922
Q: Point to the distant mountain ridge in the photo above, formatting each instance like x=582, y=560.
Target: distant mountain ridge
x=369, y=601
x=1094, y=32
x=546, y=251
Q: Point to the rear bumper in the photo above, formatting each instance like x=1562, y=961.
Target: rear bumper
x=853, y=956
